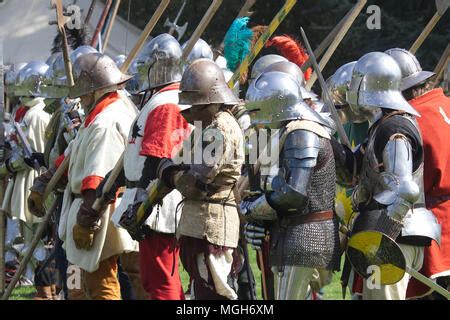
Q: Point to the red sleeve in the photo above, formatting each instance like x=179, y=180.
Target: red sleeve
x=90, y=182
x=165, y=129
x=59, y=160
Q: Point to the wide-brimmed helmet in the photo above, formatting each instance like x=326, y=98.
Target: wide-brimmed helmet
x=412, y=73
x=203, y=82
x=374, y=85
x=93, y=72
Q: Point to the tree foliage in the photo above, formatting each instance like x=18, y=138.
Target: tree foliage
x=401, y=23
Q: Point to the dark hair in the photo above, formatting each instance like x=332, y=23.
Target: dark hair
x=419, y=89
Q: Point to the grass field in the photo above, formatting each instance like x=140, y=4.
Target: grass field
x=331, y=291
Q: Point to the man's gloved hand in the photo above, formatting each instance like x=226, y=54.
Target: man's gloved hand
x=131, y=221
x=83, y=237
x=257, y=208
x=167, y=170
x=109, y=197
x=35, y=156
x=36, y=199
x=254, y=234
x=88, y=222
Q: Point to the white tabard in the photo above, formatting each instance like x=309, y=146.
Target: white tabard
x=163, y=218
x=93, y=153
x=33, y=125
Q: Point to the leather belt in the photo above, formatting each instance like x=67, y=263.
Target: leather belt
x=307, y=218
x=434, y=201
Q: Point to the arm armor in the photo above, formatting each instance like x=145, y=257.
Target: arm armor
x=290, y=186
x=398, y=190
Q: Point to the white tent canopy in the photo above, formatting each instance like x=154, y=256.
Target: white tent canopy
x=28, y=36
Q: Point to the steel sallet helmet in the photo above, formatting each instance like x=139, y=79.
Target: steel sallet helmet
x=81, y=50
x=264, y=62
x=132, y=86
x=274, y=97
x=375, y=84
x=200, y=50
x=412, y=73
x=55, y=80
x=203, y=82
x=30, y=78
x=293, y=70
x=10, y=77
x=159, y=62
x=93, y=72
x=339, y=84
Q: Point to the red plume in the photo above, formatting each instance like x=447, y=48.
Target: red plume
x=292, y=50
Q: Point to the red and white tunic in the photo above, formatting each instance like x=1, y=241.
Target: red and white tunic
x=158, y=131
x=100, y=142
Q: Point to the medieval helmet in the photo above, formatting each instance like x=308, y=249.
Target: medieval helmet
x=30, y=78
x=339, y=84
x=203, y=82
x=293, y=70
x=159, y=62
x=95, y=71
x=412, y=73
x=200, y=50
x=52, y=58
x=55, y=80
x=275, y=97
x=131, y=86
x=264, y=62
x=375, y=84
x=119, y=60
x=81, y=50
x=10, y=77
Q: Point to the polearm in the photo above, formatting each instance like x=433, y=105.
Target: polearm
x=328, y=39
x=201, y=27
x=89, y=13
x=326, y=96
x=276, y=21
x=441, y=7
x=65, y=48
x=441, y=65
x=336, y=41
x=110, y=24
x=40, y=229
x=144, y=35
x=101, y=22
x=24, y=262
x=429, y=283
x=244, y=12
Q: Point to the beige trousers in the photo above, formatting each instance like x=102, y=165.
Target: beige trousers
x=414, y=259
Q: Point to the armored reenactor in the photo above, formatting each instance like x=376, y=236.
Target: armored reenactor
x=23, y=165
x=92, y=242
x=434, y=123
x=294, y=198
x=155, y=135
x=209, y=225
x=390, y=187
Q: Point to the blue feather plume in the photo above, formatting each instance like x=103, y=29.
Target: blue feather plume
x=237, y=42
